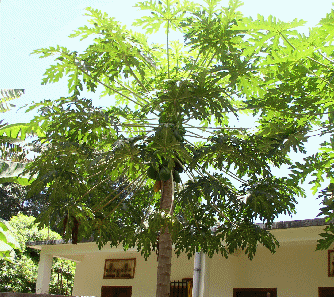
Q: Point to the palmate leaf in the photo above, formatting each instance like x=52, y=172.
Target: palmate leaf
x=66, y=66
x=213, y=5
x=327, y=239
x=234, y=226
x=166, y=13
x=117, y=53
x=203, y=97
x=98, y=20
x=326, y=26
x=222, y=49
x=271, y=24
x=274, y=39
x=212, y=34
x=261, y=198
x=232, y=149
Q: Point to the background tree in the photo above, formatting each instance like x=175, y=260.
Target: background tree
x=14, y=200
x=228, y=65
x=20, y=275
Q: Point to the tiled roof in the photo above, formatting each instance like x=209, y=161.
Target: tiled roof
x=55, y=242
x=297, y=224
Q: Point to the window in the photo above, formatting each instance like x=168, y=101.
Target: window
x=326, y=291
x=255, y=292
x=116, y=291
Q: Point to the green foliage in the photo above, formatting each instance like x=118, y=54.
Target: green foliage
x=98, y=166
x=20, y=274
x=29, y=230
x=62, y=277
x=7, y=242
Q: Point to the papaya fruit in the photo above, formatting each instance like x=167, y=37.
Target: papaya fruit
x=178, y=167
x=178, y=136
x=164, y=173
x=152, y=173
x=157, y=186
x=176, y=176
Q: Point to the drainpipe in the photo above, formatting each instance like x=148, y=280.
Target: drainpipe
x=197, y=273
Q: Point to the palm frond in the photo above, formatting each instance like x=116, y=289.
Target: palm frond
x=8, y=95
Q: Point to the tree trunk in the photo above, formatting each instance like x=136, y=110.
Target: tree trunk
x=165, y=243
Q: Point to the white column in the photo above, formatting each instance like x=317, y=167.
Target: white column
x=204, y=276
x=197, y=274
x=44, y=273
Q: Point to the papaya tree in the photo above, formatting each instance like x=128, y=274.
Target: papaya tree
x=165, y=165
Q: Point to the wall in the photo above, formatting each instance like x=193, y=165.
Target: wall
x=89, y=273
x=296, y=269
x=221, y=274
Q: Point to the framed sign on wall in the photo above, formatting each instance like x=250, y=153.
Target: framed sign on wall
x=119, y=268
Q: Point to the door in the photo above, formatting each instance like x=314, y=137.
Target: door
x=326, y=292
x=255, y=292
x=116, y=291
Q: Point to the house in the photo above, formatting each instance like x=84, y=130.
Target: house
x=296, y=269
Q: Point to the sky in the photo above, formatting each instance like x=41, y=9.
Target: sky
x=29, y=25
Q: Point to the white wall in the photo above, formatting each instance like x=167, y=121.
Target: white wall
x=89, y=274
x=296, y=269
x=221, y=274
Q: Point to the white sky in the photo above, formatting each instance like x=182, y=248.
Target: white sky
x=29, y=25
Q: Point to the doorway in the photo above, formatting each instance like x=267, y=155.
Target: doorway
x=255, y=292
x=116, y=291
x=326, y=291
